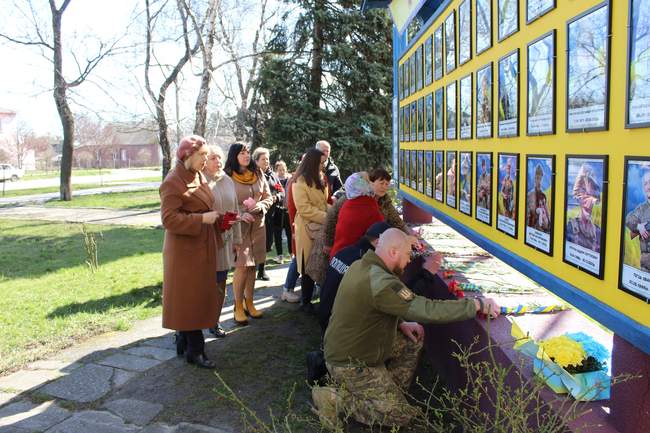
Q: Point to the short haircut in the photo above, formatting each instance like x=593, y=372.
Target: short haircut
x=213, y=149
x=321, y=143
x=280, y=163
x=379, y=174
x=259, y=151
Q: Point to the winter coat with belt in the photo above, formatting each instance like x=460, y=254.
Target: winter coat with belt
x=311, y=207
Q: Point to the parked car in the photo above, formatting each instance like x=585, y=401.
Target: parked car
x=9, y=172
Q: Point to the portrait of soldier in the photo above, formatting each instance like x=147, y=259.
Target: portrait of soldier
x=538, y=215
x=465, y=178
x=483, y=196
x=581, y=230
x=507, y=191
x=451, y=177
x=638, y=221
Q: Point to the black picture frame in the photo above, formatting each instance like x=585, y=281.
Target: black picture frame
x=466, y=100
x=450, y=48
x=483, y=208
x=438, y=53
x=439, y=116
x=626, y=269
x=553, y=90
x=439, y=175
x=451, y=200
x=540, y=13
x=400, y=165
x=479, y=7
x=428, y=173
x=428, y=61
x=414, y=120
x=465, y=180
x=570, y=82
x=645, y=122
x=503, y=222
x=413, y=70
x=407, y=123
x=428, y=114
x=400, y=124
x=534, y=237
x=503, y=36
x=421, y=119
x=484, y=74
x=414, y=169
x=464, y=34
x=604, y=159
x=421, y=172
x=407, y=77
x=513, y=124
x=419, y=76
x=451, y=131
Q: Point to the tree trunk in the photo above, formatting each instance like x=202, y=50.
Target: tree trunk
x=65, y=114
x=163, y=137
x=316, y=71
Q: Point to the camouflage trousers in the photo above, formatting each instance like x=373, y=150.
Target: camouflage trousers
x=375, y=395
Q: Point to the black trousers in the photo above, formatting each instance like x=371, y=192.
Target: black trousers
x=195, y=342
x=280, y=223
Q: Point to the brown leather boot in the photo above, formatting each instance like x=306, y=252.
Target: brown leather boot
x=239, y=315
x=250, y=309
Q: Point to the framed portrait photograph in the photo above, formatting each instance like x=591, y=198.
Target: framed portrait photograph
x=418, y=68
x=588, y=70
x=508, y=121
x=428, y=114
x=428, y=61
x=439, y=104
x=407, y=123
x=634, y=276
x=400, y=164
x=421, y=175
x=451, y=178
x=540, y=98
x=421, y=119
x=406, y=75
x=484, y=187
x=484, y=102
x=537, y=8
x=413, y=70
x=451, y=111
x=483, y=25
x=437, y=53
x=400, y=124
x=637, y=114
x=466, y=86
x=414, y=169
x=400, y=82
x=585, y=210
x=464, y=32
x=450, y=42
x=507, y=193
x=428, y=172
x=465, y=185
x=414, y=120
x=439, y=175
x=507, y=18
x=540, y=202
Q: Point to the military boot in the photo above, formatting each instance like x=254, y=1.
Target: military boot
x=328, y=406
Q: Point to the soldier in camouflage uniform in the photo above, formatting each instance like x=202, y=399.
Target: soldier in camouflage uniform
x=638, y=221
x=371, y=364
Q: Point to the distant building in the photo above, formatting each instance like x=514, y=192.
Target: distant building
x=126, y=146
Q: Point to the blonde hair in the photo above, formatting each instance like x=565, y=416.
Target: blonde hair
x=280, y=163
x=213, y=149
x=259, y=151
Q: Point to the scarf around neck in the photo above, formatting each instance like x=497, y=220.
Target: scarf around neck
x=247, y=178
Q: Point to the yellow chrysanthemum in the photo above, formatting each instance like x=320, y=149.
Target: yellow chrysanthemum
x=564, y=350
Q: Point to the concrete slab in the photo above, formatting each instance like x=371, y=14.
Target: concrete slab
x=93, y=422
x=83, y=385
x=53, y=364
x=158, y=428
x=152, y=352
x=197, y=428
x=32, y=417
x=129, y=362
x=5, y=397
x=134, y=411
x=120, y=377
x=27, y=379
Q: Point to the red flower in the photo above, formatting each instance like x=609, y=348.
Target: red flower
x=278, y=187
x=454, y=289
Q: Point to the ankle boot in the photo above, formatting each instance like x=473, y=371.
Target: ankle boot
x=239, y=314
x=261, y=273
x=249, y=308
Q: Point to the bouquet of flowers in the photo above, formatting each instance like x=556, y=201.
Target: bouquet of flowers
x=228, y=219
x=278, y=187
x=572, y=363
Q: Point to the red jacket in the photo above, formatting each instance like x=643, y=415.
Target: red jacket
x=355, y=217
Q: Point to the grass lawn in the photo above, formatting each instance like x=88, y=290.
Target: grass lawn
x=48, y=189
x=50, y=299
x=145, y=199
x=42, y=174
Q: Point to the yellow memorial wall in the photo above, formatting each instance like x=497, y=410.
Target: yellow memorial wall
x=574, y=145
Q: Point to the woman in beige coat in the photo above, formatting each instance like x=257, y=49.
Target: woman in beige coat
x=254, y=199
x=225, y=200
x=192, y=236
x=310, y=194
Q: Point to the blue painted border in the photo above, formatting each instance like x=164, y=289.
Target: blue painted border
x=427, y=24
x=632, y=331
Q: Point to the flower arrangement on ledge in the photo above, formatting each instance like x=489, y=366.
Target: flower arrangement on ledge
x=572, y=363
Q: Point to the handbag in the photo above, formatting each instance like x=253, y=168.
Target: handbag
x=313, y=229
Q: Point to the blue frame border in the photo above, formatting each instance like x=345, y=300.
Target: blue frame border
x=632, y=331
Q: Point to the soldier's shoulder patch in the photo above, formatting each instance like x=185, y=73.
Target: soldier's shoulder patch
x=406, y=294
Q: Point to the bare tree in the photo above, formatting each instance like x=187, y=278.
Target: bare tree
x=54, y=49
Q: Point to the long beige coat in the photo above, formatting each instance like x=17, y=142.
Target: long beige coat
x=311, y=207
x=189, y=252
x=225, y=200
x=253, y=249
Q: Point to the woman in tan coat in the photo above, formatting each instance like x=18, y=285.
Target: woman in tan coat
x=310, y=194
x=225, y=200
x=189, y=251
x=254, y=199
